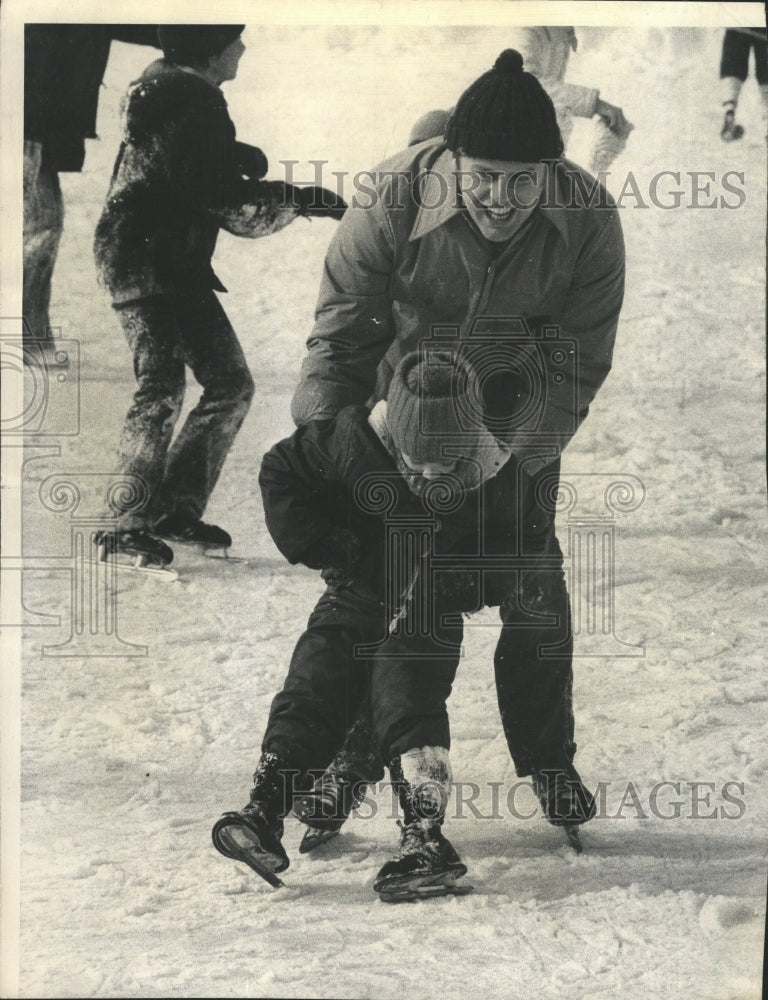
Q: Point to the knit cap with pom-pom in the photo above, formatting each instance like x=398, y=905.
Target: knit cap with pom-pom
x=505, y=115
x=434, y=402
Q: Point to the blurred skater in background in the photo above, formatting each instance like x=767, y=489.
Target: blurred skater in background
x=64, y=65
x=734, y=66
x=545, y=53
x=180, y=176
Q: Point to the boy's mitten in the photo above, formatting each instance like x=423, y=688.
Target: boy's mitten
x=336, y=556
x=250, y=161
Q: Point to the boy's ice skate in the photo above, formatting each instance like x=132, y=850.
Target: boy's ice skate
x=426, y=865
x=325, y=808
x=136, y=550
x=341, y=788
x=254, y=834
x=190, y=530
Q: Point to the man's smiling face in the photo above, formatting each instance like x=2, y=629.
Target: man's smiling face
x=499, y=195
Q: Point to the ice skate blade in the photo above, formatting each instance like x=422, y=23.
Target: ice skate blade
x=216, y=552
x=240, y=843
x=315, y=838
x=125, y=562
x=412, y=887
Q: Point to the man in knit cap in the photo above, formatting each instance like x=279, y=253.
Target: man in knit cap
x=488, y=240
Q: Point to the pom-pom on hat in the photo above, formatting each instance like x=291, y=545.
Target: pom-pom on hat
x=194, y=44
x=435, y=402
x=505, y=115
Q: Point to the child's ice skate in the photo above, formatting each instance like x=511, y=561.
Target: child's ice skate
x=254, y=834
x=136, y=550
x=210, y=539
x=426, y=864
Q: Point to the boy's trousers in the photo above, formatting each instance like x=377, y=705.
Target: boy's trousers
x=165, y=334
x=347, y=646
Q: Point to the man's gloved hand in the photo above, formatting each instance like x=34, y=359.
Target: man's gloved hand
x=250, y=161
x=336, y=556
x=319, y=202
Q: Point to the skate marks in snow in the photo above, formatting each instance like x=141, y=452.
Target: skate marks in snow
x=617, y=854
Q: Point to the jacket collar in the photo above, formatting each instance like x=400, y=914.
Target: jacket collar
x=439, y=201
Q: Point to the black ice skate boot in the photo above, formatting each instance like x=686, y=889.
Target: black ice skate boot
x=565, y=800
x=181, y=526
x=253, y=835
x=140, y=546
x=426, y=864
x=341, y=788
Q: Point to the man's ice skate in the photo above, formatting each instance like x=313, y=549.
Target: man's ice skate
x=210, y=539
x=565, y=800
x=248, y=836
x=731, y=131
x=426, y=865
x=136, y=550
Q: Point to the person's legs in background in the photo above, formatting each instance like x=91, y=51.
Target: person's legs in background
x=43, y=225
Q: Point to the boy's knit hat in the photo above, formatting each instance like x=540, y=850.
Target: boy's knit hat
x=194, y=44
x=435, y=414
x=505, y=115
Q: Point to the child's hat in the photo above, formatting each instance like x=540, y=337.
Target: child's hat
x=505, y=115
x=435, y=414
x=194, y=44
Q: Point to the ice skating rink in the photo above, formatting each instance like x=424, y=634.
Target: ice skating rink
x=126, y=761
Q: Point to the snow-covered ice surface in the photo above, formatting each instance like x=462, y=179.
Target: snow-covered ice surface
x=127, y=762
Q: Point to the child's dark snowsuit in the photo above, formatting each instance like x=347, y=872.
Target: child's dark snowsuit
x=178, y=178
x=333, y=475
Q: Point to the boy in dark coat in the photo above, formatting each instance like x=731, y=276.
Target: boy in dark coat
x=179, y=177
x=353, y=496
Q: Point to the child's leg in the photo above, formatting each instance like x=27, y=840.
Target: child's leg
x=213, y=352
x=326, y=682
x=158, y=363
x=307, y=723
x=411, y=681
